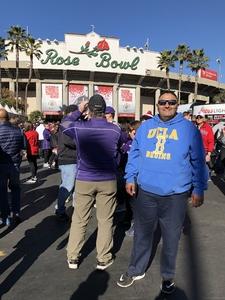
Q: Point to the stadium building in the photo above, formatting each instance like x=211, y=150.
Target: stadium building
x=82, y=65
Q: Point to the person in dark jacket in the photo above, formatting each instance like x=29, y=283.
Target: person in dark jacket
x=46, y=146
x=67, y=160
x=97, y=144
x=53, y=160
x=11, y=145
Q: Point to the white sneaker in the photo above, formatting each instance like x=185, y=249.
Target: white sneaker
x=45, y=165
x=30, y=181
x=104, y=265
x=69, y=198
x=73, y=263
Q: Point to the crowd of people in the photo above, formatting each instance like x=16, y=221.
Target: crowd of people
x=150, y=167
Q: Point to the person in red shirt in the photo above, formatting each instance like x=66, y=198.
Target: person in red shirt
x=32, y=150
x=207, y=135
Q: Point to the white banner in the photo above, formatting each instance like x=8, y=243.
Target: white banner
x=127, y=101
x=212, y=109
x=51, y=97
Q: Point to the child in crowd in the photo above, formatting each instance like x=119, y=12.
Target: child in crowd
x=32, y=150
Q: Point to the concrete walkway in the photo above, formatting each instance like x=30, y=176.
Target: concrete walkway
x=33, y=257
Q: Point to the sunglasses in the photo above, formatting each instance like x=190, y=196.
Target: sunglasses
x=199, y=117
x=164, y=102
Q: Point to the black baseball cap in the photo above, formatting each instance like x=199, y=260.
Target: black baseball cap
x=97, y=103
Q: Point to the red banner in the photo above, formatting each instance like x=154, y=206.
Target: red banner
x=208, y=74
x=106, y=92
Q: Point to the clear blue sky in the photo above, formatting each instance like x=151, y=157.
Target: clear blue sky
x=167, y=23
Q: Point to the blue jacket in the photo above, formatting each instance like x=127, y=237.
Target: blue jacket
x=167, y=157
x=97, y=143
x=11, y=143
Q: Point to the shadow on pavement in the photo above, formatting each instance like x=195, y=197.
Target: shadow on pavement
x=177, y=295
x=34, y=202
x=29, y=248
x=196, y=276
x=37, y=200
x=95, y=285
x=219, y=182
x=119, y=233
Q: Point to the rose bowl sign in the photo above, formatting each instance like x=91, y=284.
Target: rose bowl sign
x=100, y=51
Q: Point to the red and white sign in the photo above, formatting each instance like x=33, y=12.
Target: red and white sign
x=126, y=102
x=77, y=92
x=51, y=97
x=208, y=74
x=211, y=109
x=106, y=92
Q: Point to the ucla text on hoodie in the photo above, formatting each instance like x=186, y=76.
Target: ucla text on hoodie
x=161, y=134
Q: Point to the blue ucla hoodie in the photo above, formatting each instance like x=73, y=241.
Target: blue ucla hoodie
x=167, y=157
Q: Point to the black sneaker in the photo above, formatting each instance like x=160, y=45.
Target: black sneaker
x=16, y=220
x=104, y=265
x=5, y=222
x=73, y=263
x=126, y=280
x=62, y=217
x=168, y=286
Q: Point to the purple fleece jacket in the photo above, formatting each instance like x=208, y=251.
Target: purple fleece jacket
x=97, y=144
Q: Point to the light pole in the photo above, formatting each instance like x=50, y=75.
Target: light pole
x=218, y=60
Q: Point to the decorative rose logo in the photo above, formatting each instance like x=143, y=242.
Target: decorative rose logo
x=102, y=45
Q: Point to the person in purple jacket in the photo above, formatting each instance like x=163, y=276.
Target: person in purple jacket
x=97, y=144
x=46, y=145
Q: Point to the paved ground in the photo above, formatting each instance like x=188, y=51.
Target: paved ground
x=33, y=257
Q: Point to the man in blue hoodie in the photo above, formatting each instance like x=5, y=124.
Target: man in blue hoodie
x=165, y=164
x=97, y=142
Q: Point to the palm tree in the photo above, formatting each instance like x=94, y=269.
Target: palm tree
x=166, y=61
x=197, y=61
x=219, y=98
x=3, y=55
x=182, y=53
x=15, y=35
x=32, y=49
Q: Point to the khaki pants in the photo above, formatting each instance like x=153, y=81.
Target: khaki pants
x=86, y=192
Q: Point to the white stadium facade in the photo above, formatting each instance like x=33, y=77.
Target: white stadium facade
x=84, y=64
